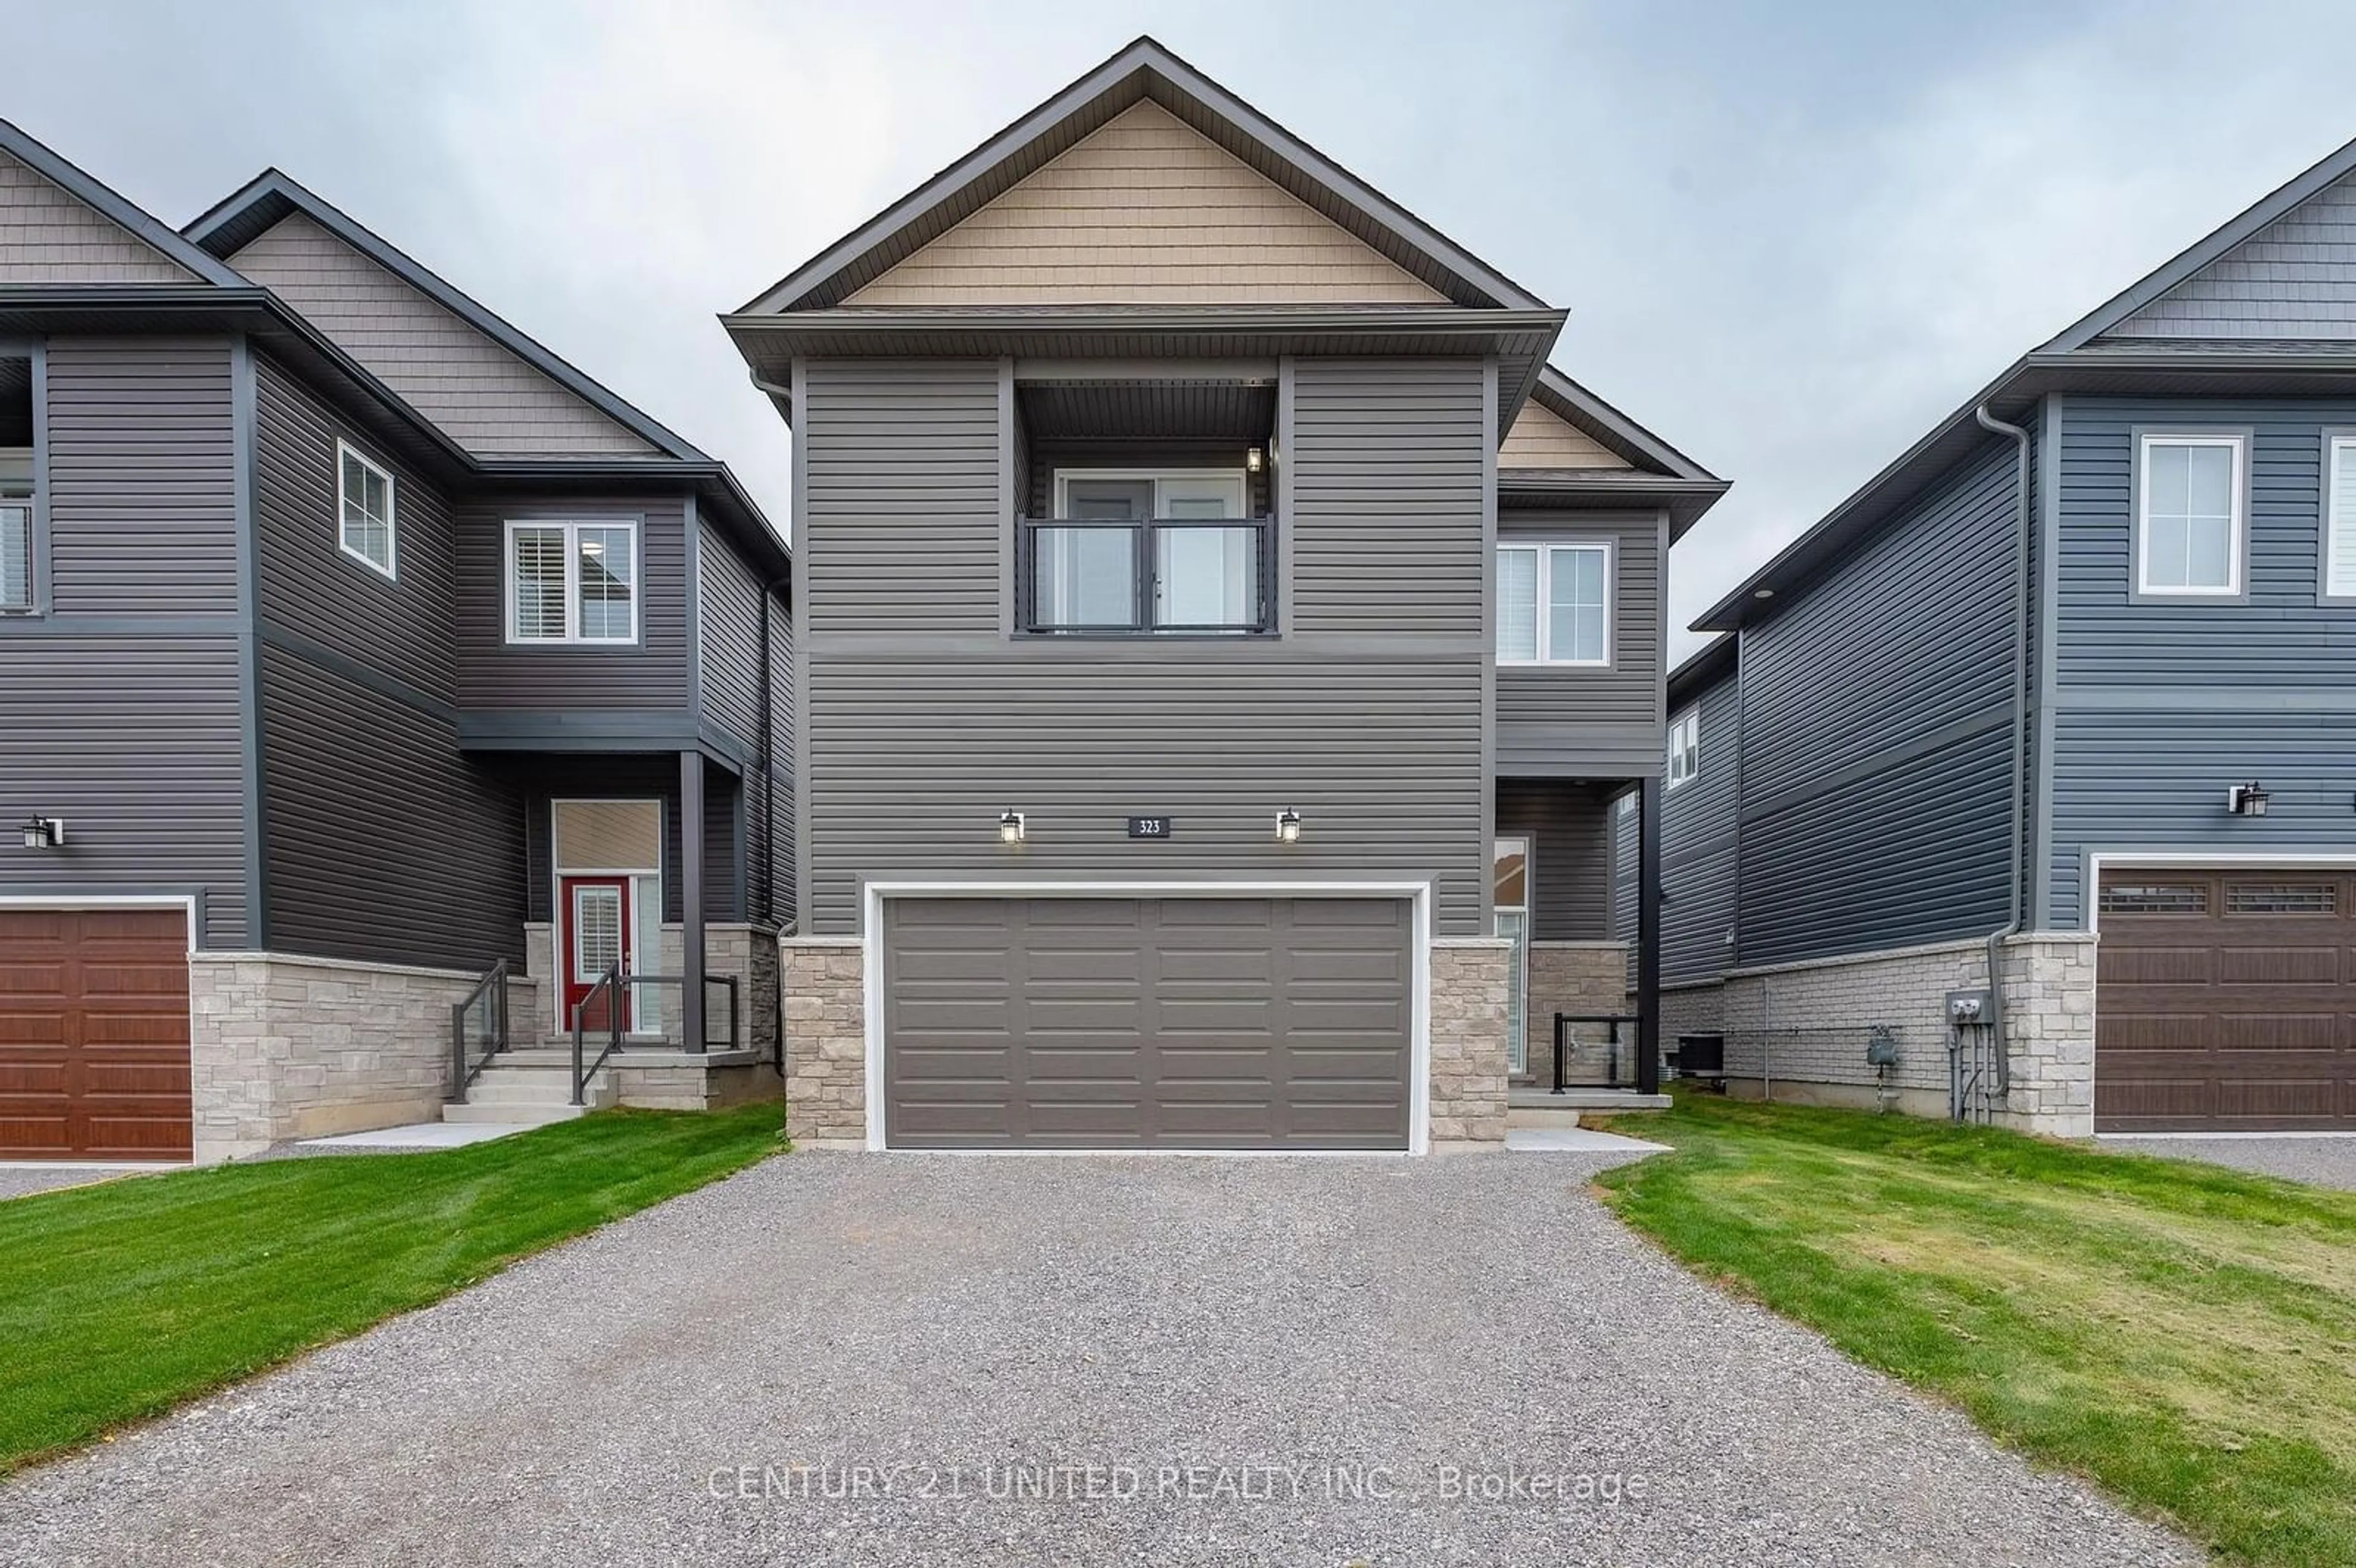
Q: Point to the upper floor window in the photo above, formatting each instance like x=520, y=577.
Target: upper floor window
x=2190, y=523
x=1142, y=553
x=1685, y=747
x=16, y=530
x=2339, y=518
x=364, y=510
x=572, y=582
x=1554, y=603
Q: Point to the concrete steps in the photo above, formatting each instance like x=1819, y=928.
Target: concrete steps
x=515, y=1091
x=1535, y=1109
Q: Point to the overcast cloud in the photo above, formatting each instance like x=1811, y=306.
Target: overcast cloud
x=1791, y=236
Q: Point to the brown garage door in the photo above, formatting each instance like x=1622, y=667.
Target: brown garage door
x=1181, y=1023
x=2227, y=1001
x=94, y=1034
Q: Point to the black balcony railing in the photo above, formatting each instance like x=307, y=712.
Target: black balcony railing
x=1152, y=577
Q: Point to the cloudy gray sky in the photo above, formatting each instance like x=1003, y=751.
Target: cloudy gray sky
x=1791, y=236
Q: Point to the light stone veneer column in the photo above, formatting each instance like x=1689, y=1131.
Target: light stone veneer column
x=285, y=1047
x=749, y=953
x=2049, y=1011
x=1584, y=980
x=1470, y=990
x=825, y=982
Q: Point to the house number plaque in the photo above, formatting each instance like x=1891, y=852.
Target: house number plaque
x=1149, y=827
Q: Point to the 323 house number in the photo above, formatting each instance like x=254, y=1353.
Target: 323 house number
x=1149, y=827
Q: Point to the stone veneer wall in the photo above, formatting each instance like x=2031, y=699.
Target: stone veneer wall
x=285, y=1047
x=1580, y=978
x=748, y=952
x=826, y=1040
x=1798, y=1031
x=1471, y=980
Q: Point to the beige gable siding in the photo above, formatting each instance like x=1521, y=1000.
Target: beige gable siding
x=49, y=237
x=486, y=399
x=1543, y=439
x=1146, y=211
x=2295, y=280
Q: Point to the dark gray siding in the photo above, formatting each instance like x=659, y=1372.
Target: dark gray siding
x=924, y=721
x=1698, y=846
x=121, y=706
x=542, y=780
x=385, y=845
x=784, y=758
x=1569, y=827
x=142, y=450
x=728, y=610
x=2159, y=706
x=1876, y=724
x=651, y=675
x=1625, y=845
x=1592, y=721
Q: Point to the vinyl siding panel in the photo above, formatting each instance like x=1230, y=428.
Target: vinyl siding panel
x=1543, y=439
x=137, y=743
x=2161, y=706
x=785, y=759
x=385, y=844
x=2295, y=279
x=402, y=628
x=493, y=674
x=1699, y=845
x=728, y=607
x=142, y=502
x=902, y=461
x=913, y=744
x=1569, y=829
x=488, y=401
x=1875, y=731
x=47, y=236
x=541, y=781
x=1544, y=710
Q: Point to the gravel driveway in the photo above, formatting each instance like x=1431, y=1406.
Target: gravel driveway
x=2319, y=1162
x=1238, y=1343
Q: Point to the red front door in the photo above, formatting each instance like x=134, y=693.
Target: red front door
x=596, y=937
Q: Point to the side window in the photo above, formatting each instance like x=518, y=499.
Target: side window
x=1554, y=603
x=16, y=531
x=2191, y=532
x=1685, y=747
x=364, y=511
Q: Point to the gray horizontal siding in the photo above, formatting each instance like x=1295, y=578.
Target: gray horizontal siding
x=384, y=843
x=137, y=743
x=1569, y=829
x=1627, y=696
x=785, y=752
x=541, y=781
x=1699, y=845
x=142, y=460
x=728, y=609
x=1913, y=854
x=653, y=674
x=1387, y=494
x=308, y=585
x=2294, y=279
x=902, y=461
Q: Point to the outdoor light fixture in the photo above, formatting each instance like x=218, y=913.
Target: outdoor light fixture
x=1763, y=594
x=45, y=832
x=1253, y=459
x=1288, y=826
x=1009, y=827
x=2246, y=800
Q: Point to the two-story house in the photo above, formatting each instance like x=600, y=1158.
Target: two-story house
x=359, y=660
x=1220, y=639
x=2050, y=719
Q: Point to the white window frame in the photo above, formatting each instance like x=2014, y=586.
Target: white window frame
x=1517, y=1043
x=1684, y=740
x=390, y=567
x=2237, y=543
x=572, y=528
x=1546, y=550
x=2336, y=442
x=1234, y=483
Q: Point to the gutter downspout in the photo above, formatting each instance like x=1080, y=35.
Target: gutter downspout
x=2015, y=904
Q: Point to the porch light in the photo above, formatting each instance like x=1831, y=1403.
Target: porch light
x=45, y=832
x=1288, y=826
x=1763, y=594
x=1253, y=459
x=1009, y=827
x=2246, y=800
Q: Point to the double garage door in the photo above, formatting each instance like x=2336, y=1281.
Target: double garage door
x=1095, y=1023
x=94, y=1034
x=2227, y=1001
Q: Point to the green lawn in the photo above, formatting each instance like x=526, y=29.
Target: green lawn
x=122, y=1300
x=2184, y=1335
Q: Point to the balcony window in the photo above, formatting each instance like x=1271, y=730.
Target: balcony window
x=1147, y=554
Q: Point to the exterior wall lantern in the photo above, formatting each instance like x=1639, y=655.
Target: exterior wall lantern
x=45, y=833
x=2246, y=800
x=1288, y=826
x=1009, y=827
x=1254, y=460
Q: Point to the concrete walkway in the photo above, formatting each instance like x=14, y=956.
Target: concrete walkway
x=896, y=1359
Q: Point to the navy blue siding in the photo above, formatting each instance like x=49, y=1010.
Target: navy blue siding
x=2159, y=706
x=1698, y=846
x=1876, y=727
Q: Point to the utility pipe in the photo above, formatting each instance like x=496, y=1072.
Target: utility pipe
x=2015, y=904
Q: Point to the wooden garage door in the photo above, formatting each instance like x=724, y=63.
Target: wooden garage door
x=2227, y=1001
x=94, y=1034
x=1187, y=1023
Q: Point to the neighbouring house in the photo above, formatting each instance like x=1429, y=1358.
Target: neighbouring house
x=1221, y=640
x=2035, y=761
x=359, y=660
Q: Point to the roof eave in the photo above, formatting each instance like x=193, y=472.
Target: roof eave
x=1568, y=399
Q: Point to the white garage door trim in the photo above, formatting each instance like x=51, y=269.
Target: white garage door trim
x=185, y=903
x=1418, y=1129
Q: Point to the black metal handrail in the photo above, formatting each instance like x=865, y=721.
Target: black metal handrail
x=490, y=993
x=611, y=985
x=1145, y=576
x=1612, y=1059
